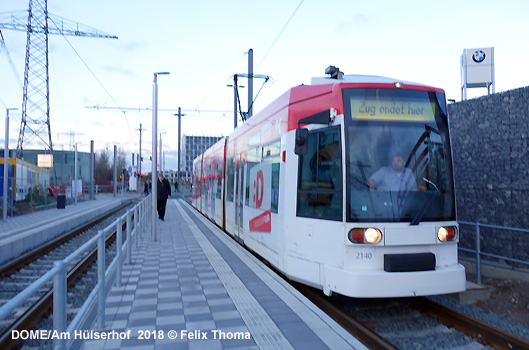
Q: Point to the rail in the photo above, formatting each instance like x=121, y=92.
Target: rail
x=59, y=273
x=477, y=251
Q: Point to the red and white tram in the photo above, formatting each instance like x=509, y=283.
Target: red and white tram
x=345, y=185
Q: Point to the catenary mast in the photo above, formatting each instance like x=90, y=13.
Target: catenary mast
x=35, y=122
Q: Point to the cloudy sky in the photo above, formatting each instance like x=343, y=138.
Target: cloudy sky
x=202, y=43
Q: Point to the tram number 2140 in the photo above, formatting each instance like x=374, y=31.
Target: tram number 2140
x=362, y=256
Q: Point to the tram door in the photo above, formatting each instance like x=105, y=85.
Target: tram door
x=239, y=171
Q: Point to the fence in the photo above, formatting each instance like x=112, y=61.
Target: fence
x=104, y=275
x=496, y=242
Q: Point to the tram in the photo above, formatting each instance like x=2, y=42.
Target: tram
x=345, y=185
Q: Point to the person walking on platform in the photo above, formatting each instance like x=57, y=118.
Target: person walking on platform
x=163, y=192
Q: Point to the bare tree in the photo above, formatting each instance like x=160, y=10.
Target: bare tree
x=103, y=167
x=105, y=164
x=122, y=162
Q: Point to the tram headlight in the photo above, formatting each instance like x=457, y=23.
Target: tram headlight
x=446, y=233
x=365, y=235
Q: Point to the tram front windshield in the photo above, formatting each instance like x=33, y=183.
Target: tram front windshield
x=399, y=158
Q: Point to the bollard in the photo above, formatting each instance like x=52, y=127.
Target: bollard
x=129, y=224
x=478, y=255
x=101, y=279
x=119, y=244
x=59, y=305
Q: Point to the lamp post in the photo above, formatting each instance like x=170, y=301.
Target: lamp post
x=161, y=153
x=6, y=162
x=180, y=115
x=115, y=190
x=76, y=191
x=139, y=162
x=154, y=176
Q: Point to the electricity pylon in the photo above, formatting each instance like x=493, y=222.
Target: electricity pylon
x=35, y=122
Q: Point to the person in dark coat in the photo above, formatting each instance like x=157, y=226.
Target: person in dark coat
x=163, y=192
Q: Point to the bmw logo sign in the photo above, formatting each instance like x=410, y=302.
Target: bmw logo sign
x=478, y=56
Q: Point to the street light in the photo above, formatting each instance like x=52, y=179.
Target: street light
x=6, y=162
x=154, y=223
x=141, y=159
x=180, y=115
x=162, y=168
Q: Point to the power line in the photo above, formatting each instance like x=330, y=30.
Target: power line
x=11, y=64
x=35, y=96
x=279, y=35
x=97, y=79
x=142, y=109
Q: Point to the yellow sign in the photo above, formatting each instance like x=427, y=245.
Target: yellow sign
x=392, y=110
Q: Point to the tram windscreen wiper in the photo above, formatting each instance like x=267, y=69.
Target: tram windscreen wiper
x=424, y=208
x=417, y=218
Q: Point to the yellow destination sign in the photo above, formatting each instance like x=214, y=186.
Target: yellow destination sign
x=392, y=110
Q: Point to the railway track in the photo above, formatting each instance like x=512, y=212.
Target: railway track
x=480, y=331
x=411, y=323
x=19, y=274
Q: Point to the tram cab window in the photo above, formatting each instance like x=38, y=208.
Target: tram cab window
x=398, y=156
x=320, y=176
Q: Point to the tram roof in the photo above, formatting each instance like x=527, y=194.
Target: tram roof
x=320, y=91
x=358, y=78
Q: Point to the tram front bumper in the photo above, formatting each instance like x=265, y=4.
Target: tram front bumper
x=382, y=284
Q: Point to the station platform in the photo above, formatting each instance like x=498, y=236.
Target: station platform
x=195, y=288
x=25, y=232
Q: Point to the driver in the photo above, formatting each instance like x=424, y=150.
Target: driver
x=393, y=178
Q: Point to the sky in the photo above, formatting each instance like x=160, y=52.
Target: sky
x=202, y=43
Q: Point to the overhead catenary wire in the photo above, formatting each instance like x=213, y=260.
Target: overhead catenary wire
x=97, y=79
x=244, y=116
x=279, y=35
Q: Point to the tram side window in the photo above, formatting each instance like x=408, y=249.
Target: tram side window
x=254, y=158
x=320, y=178
x=219, y=180
x=210, y=178
x=264, y=159
x=231, y=180
x=271, y=152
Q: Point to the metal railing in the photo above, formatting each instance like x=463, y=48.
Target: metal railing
x=59, y=273
x=477, y=251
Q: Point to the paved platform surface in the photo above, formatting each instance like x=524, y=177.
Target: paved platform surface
x=22, y=233
x=197, y=286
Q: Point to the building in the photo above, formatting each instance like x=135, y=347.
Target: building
x=192, y=147
x=24, y=178
x=64, y=164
